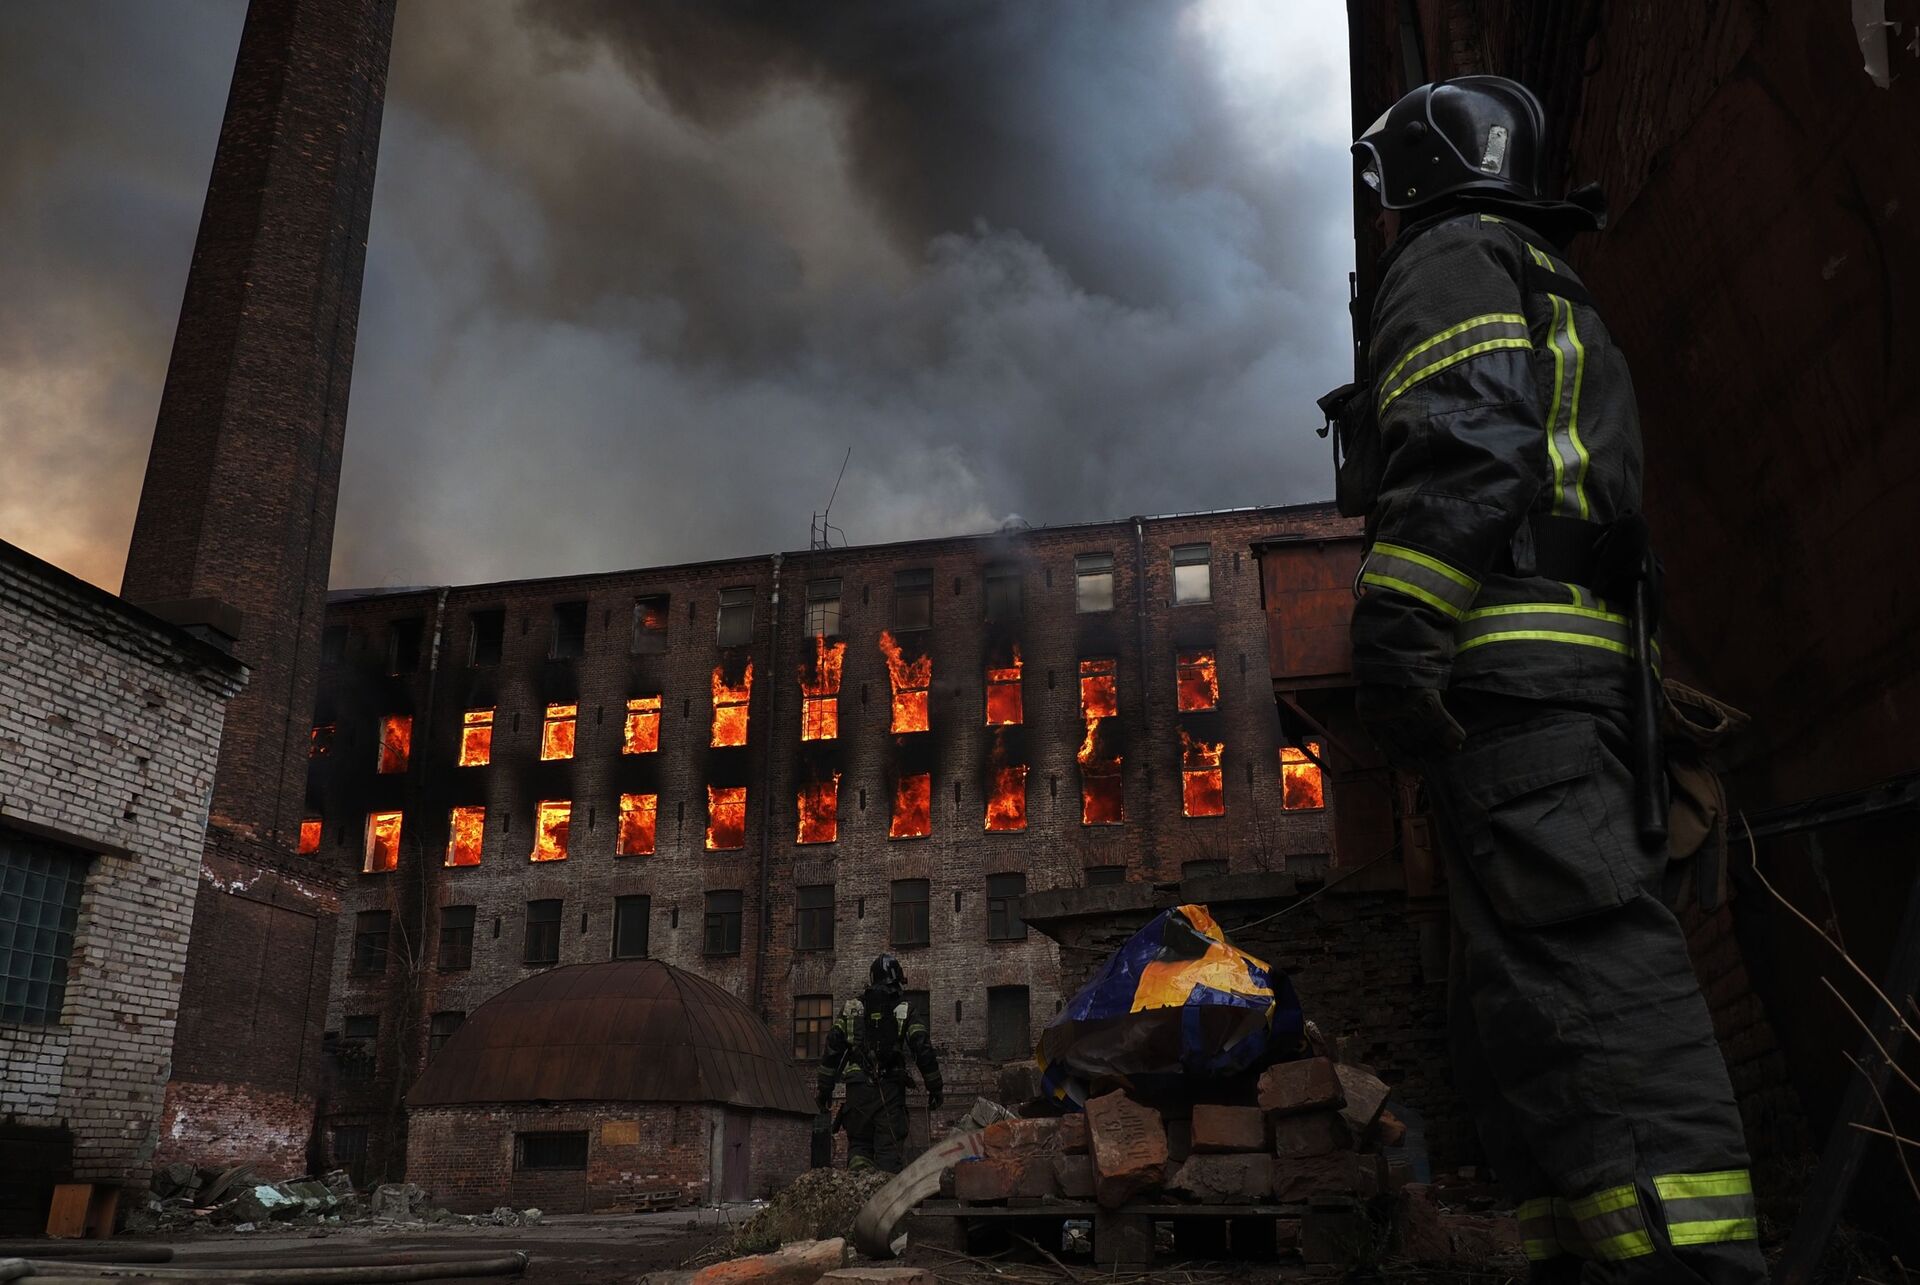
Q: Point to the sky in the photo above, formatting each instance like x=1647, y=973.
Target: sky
x=641, y=273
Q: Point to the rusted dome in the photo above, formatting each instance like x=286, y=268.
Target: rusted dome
x=622, y=1031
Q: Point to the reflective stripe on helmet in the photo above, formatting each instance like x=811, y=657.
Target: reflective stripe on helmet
x=1708, y=1208
x=1564, y=447
x=1488, y=332
x=1422, y=576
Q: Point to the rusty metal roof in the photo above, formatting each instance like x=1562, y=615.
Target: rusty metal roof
x=622, y=1031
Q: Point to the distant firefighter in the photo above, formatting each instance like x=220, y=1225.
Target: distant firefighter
x=868, y=1047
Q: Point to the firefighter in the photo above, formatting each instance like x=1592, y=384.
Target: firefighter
x=1499, y=449
x=868, y=1047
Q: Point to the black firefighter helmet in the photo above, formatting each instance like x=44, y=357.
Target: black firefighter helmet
x=887, y=974
x=1478, y=134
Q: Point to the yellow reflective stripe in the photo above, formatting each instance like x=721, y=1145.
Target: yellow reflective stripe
x=1545, y=608
x=1564, y=338
x=1546, y=635
x=1431, y=563
x=1604, y=1202
x=1412, y=591
x=1714, y=1231
x=1471, y=323
x=1541, y=1250
x=1693, y=1186
x=1628, y=1244
x=1490, y=345
x=1573, y=414
x=1540, y=1207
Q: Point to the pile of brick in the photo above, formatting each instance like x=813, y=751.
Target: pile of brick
x=182, y=1198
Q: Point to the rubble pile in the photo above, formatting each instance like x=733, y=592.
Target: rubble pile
x=182, y=1198
x=820, y=1204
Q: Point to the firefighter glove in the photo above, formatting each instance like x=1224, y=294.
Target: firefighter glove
x=1410, y=724
x=935, y=1095
x=823, y=1097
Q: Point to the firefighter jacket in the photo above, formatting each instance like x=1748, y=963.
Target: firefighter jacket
x=872, y=1039
x=1500, y=399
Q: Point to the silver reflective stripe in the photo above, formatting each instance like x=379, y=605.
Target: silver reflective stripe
x=1611, y=1224
x=1488, y=332
x=1565, y=450
x=1556, y=622
x=1422, y=576
x=1708, y=1208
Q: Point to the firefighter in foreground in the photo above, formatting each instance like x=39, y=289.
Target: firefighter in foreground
x=1495, y=447
x=868, y=1047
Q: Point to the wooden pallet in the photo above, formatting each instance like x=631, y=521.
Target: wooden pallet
x=1122, y=1237
x=649, y=1202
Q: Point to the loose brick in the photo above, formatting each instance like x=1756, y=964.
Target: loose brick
x=1391, y=1130
x=1225, y=1179
x=1074, y=1176
x=1129, y=1148
x=1073, y=1134
x=1339, y=1173
x=1224, y=1128
x=984, y=1180
x=1309, y=1084
x=1366, y=1096
x=1313, y=1133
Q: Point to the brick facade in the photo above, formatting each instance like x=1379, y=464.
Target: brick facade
x=110, y=724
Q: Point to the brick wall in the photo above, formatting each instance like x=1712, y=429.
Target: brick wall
x=110, y=727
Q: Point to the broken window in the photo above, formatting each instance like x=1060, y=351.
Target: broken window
x=396, y=743
x=823, y=608
x=1003, y=907
x=556, y=732
x=641, y=735
x=650, y=624
x=1197, y=680
x=333, y=644
x=731, y=706
x=1093, y=582
x=736, y=617
x=466, y=832
x=550, y=1150
x=812, y=1019
x=639, y=817
x=911, y=925
x=371, y=929
x=813, y=917
x=820, y=691
x=819, y=808
x=486, y=631
x=1009, y=1024
x=631, y=920
x=440, y=1029
x=320, y=740
x=722, y=935
x=543, y=932
x=1202, y=780
x=456, y=938
x=1301, y=786
x=1006, y=706
x=912, y=807
x=912, y=600
x=569, y=639
x=552, y=819
x=910, y=681
x=1102, y=793
x=403, y=645
x=40, y=888
x=1099, y=687
x=309, y=836
x=1007, y=798
x=1192, y=573
x=726, y=817
x=476, y=738
x=1003, y=593
x=358, y=1049
x=382, y=844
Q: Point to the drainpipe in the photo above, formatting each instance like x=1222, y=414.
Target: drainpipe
x=1146, y=681
x=773, y=687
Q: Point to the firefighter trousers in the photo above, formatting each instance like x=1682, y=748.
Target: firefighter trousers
x=876, y=1120
x=1580, y=1038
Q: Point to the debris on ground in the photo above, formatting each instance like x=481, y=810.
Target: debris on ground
x=818, y=1205
x=185, y=1199
x=802, y=1262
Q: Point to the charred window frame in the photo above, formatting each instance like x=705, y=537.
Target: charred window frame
x=466, y=836
x=1003, y=597
x=1092, y=582
x=823, y=608
x=1009, y=1023
x=1105, y=876
x=1192, y=574
x=650, y=615
x=1003, y=907
x=310, y=829
x=812, y=1019
x=632, y=921
x=333, y=644
x=382, y=851
x=558, y=730
x=735, y=626
x=371, y=931
x=912, y=600
x=456, y=939
x=40, y=891
x=486, y=633
x=395, y=750
x=813, y=917
x=1303, y=786
x=476, y=737
x=911, y=921
x=440, y=1029
x=722, y=928
x=358, y=1050
x=320, y=740
x=542, y=944
x=403, y=645
x=550, y=1151
x=569, y=637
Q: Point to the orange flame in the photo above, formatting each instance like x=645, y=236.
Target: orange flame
x=1301, y=786
x=1203, y=790
x=1102, y=793
x=726, y=817
x=556, y=734
x=641, y=735
x=552, y=820
x=396, y=742
x=730, y=705
x=910, y=681
x=1005, y=703
x=383, y=842
x=819, y=811
x=1199, y=681
x=476, y=738
x=1099, y=688
x=912, y=807
x=466, y=832
x=638, y=813
x=1007, y=800
x=320, y=740
x=309, y=836
x=820, y=694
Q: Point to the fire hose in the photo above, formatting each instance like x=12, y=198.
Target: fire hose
x=70, y=1272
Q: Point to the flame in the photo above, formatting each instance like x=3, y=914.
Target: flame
x=730, y=708
x=309, y=836
x=476, y=738
x=1203, y=791
x=641, y=735
x=383, y=842
x=638, y=813
x=820, y=695
x=1301, y=786
x=1099, y=688
x=552, y=819
x=320, y=740
x=910, y=681
x=1102, y=793
x=1005, y=706
x=1007, y=800
x=819, y=811
x=1199, y=680
x=726, y=817
x=912, y=807
x=556, y=734
x=396, y=742
x=653, y=615
x=466, y=832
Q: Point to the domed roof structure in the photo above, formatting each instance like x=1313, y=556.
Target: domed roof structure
x=621, y=1031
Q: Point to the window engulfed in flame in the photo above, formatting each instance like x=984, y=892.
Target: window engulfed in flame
x=309, y=836
x=820, y=694
x=1203, y=791
x=730, y=703
x=910, y=681
x=726, y=817
x=396, y=743
x=819, y=811
x=1005, y=705
x=552, y=819
x=556, y=734
x=1102, y=795
x=383, y=842
x=466, y=831
x=1099, y=688
x=641, y=735
x=476, y=738
x=1199, y=681
x=912, y=807
x=1301, y=786
x=320, y=740
x=638, y=814
x=1007, y=799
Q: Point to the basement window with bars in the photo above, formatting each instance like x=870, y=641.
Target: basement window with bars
x=382, y=853
x=912, y=600
x=1003, y=907
x=736, y=617
x=396, y=743
x=823, y=608
x=557, y=732
x=911, y=923
x=40, y=890
x=631, y=920
x=812, y=1019
x=813, y=917
x=1093, y=582
x=357, y=1053
x=440, y=1029
x=486, y=633
x=722, y=928
x=466, y=835
x=456, y=939
x=542, y=945
x=641, y=734
x=1192, y=573
x=550, y=1151
x=476, y=738
x=371, y=931
x=569, y=638
x=639, y=822
x=650, y=613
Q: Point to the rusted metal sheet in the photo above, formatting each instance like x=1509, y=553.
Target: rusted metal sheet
x=622, y=1031
x=1306, y=590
